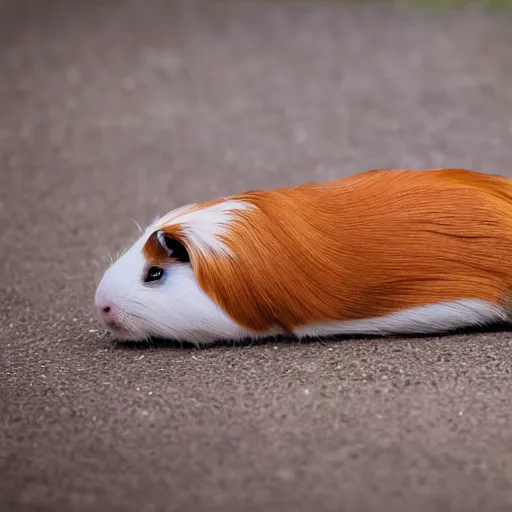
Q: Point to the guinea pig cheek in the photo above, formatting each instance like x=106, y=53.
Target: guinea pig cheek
x=119, y=296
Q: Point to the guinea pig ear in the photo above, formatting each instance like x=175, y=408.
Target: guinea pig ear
x=173, y=247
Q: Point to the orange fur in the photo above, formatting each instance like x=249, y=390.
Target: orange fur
x=360, y=247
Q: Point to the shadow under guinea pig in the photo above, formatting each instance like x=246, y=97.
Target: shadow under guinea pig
x=163, y=343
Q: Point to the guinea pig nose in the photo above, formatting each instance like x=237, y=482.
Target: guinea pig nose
x=105, y=309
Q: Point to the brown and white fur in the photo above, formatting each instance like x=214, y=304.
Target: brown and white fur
x=382, y=252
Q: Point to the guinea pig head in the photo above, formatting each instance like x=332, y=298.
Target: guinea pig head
x=152, y=289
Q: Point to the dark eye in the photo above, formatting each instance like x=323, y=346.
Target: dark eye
x=154, y=274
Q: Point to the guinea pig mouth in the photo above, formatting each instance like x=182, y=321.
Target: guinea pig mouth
x=111, y=321
x=122, y=331
x=114, y=326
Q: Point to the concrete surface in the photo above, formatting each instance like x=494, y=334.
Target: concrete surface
x=113, y=112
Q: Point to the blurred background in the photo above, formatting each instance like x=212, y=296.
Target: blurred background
x=113, y=112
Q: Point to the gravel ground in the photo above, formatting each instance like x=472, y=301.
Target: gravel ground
x=114, y=112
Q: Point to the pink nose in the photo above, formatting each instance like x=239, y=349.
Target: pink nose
x=104, y=306
x=107, y=312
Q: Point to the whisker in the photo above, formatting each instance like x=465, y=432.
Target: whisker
x=138, y=226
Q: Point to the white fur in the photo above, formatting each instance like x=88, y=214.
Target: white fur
x=434, y=318
x=174, y=307
x=203, y=227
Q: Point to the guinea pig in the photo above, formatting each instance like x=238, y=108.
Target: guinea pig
x=384, y=252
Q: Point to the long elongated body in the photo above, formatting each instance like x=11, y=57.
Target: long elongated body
x=382, y=252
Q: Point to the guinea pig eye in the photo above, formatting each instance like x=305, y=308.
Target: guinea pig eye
x=175, y=249
x=154, y=274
